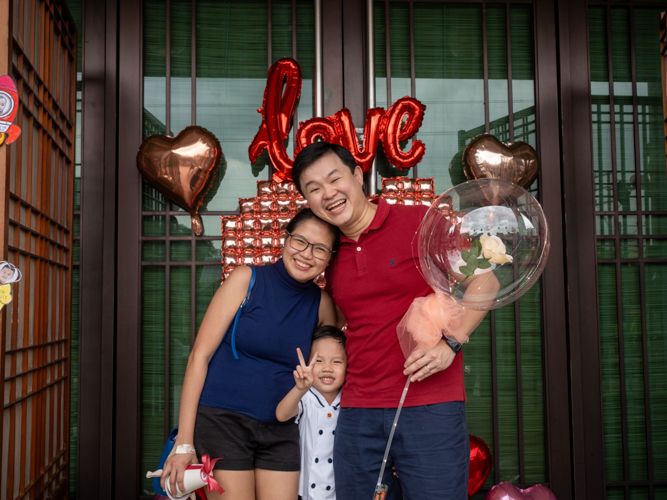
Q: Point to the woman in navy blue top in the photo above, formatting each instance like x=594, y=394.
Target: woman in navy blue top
x=233, y=384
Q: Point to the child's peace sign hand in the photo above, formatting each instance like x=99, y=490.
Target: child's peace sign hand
x=303, y=375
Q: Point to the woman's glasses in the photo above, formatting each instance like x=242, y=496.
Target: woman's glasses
x=300, y=244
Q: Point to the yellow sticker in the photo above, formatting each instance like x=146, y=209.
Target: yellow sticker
x=5, y=294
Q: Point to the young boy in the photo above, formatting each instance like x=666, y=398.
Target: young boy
x=315, y=401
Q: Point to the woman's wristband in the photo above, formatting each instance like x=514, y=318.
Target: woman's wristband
x=183, y=449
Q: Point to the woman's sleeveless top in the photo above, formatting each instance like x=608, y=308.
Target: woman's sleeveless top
x=279, y=317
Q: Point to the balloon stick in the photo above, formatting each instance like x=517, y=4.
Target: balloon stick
x=381, y=489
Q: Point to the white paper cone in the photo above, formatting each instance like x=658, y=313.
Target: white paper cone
x=193, y=479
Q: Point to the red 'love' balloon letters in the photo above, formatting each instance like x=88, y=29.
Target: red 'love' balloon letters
x=393, y=133
x=372, y=133
x=278, y=110
x=311, y=129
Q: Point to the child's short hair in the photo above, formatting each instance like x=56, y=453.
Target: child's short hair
x=329, y=332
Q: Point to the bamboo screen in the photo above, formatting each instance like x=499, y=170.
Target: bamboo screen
x=36, y=324
x=631, y=235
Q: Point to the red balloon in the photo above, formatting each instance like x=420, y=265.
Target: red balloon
x=311, y=129
x=277, y=111
x=392, y=133
x=348, y=135
x=182, y=168
x=480, y=464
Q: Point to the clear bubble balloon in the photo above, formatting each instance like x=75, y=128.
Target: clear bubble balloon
x=480, y=232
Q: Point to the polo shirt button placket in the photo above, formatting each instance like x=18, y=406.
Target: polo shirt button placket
x=361, y=261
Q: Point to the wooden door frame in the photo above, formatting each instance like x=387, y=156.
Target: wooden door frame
x=568, y=103
x=553, y=282
x=97, y=347
x=587, y=436
x=128, y=313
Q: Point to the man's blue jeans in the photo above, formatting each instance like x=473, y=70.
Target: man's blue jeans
x=430, y=451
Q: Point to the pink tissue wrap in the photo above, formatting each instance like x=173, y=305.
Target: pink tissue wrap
x=427, y=320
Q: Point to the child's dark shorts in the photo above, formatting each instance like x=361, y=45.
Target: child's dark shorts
x=243, y=443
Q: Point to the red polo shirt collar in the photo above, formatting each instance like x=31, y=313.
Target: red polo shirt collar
x=380, y=216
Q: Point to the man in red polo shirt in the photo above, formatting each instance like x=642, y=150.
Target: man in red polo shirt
x=373, y=281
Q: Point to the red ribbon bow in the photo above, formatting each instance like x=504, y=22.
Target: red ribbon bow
x=211, y=483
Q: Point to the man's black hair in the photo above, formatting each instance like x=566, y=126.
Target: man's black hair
x=313, y=152
x=329, y=332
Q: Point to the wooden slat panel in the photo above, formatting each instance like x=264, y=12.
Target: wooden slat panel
x=41, y=44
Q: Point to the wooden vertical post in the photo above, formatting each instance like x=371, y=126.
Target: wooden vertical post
x=35, y=234
x=5, y=65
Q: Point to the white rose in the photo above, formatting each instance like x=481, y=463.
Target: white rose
x=455, y=261
x=494, y=249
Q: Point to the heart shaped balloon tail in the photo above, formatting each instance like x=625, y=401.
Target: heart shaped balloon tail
x=182, y=168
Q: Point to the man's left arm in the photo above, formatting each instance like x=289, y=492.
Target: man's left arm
x=423, y=363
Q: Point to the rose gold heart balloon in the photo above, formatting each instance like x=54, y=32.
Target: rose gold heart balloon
x=182, y=168
x=486, y=156
x=507, y=491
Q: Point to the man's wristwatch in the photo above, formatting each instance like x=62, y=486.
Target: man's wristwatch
x=453, y=343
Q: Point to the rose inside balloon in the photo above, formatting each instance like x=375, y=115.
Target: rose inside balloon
x=475, y=254
x=484, y=253
x=509, y=235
